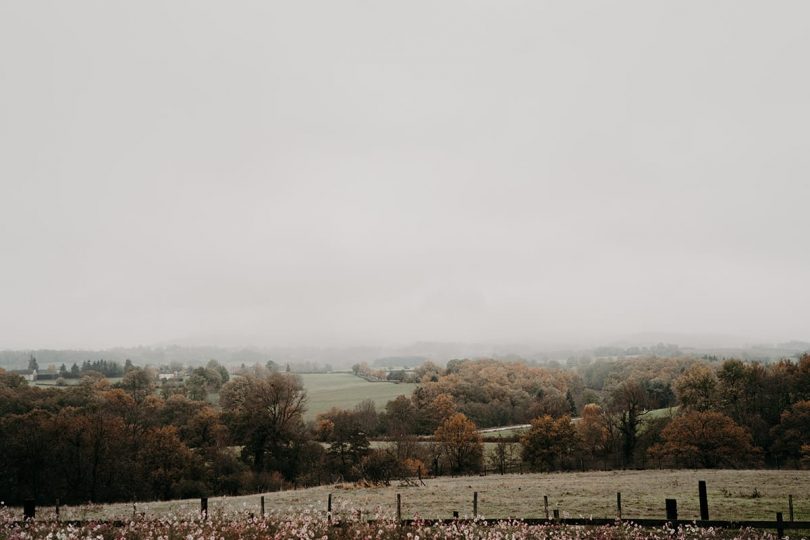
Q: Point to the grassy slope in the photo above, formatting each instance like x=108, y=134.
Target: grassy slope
x=344, y=390
x=575, y=494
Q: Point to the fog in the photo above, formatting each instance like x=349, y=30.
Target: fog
x=358, y=172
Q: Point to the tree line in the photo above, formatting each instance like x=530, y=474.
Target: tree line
x=145, y=439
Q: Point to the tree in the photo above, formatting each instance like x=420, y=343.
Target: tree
x=366, y=415
x=793, y=432
x=461, y=443
x=400, y=417
x=380, y=466
x=348, y=443
x=628, y=403
x=569, y=399
x=165, y=461
x=32, y=363
x=733, y=377
x=138, y=383
x=504, y=455
x=549, y=441
x=802, y=383
x=442, y=407
x=706, y=439
x=264, y=411
x=224, y=376
x=593, y=431
x=697, y=388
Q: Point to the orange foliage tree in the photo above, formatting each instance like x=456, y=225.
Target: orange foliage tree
x=706, y=439
x=549, y=441
x=461, y=443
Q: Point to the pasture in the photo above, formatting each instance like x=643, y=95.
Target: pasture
x=733, y=494
x=345, y=390
x=51, y=383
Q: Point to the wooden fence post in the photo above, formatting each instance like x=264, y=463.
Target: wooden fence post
x=704, y=500
x=672, y=510
x=790, y=507
x=475, y=504
x=780, y=526
x=329, y=509
x=556, y=514
x=57, y=509
x=29, y=509
x=204, y=507
x=262, y=505
x=618, y=505
x=545, y=504
x=455, y=514
x=399, y=508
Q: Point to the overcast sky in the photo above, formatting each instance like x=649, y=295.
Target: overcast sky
x=376, y=172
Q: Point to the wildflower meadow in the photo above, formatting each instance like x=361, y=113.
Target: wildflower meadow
x=313, y=525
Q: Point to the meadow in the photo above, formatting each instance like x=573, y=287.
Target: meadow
x=324, y=391
x=733, y=494
x=345, y=390
x=310, y=525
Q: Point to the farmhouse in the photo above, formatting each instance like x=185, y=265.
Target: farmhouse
x=27, y=374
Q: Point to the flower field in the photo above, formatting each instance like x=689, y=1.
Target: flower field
x=312, y=525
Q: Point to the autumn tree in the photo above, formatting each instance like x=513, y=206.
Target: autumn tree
x=263, y=411
x=461, y=443
x=400, y=417
x=165, y=464
x=708, y=440
x=348, y=443
x=548, y=442
x=593, y=431
x=697, y=388
x=381, y=465
x=442, y=407
x=628, y=406
x=802, y=382
x=793, y=432
x=138, y=383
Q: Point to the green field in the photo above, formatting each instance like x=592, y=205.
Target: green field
x=51, y=383
x=345, y=390
x=586, y=494
x=324, y=391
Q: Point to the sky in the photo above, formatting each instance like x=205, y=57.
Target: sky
x=379, y=172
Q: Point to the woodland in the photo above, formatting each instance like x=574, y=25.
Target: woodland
x=141, y=438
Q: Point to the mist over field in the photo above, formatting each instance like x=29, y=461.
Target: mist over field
x=512, y=175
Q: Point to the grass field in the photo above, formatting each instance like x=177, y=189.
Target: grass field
x=345, y=390
x=589, y=494
x=71, y=382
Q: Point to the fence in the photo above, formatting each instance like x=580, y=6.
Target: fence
x=670, y=507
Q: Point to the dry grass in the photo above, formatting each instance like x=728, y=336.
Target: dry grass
x=591, y=494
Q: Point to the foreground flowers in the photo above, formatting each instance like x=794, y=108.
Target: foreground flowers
x=312, y=525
